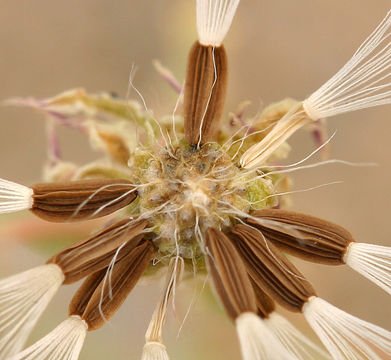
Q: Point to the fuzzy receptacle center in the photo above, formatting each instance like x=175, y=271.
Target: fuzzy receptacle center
x=185, y=191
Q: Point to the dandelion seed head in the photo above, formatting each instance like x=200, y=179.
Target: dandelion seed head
x=195, y=193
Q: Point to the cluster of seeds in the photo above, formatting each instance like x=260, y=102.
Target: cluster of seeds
x=187, y=190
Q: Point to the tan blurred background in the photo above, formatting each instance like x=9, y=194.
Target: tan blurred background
x=276, y=48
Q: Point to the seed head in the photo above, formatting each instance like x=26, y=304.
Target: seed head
x=200, y=195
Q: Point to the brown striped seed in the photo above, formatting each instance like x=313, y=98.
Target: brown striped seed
x=84, y=293
x=304, y=236
x=205, y=92
x=229, y=275
x=97, y=300
x=271, y=270
x=265, y=303
x=96, y=253
x=81, y=200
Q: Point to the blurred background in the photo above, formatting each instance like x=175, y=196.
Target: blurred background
x=276, y=48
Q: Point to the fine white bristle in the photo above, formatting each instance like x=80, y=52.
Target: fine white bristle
x=371, y=261
x=293, y=340
x=214, y=18
x=23, y=298
x=345, y=336
x=154, y=348
x=64, y=342
x=154, y=351
x=14, y=197
x=257, y=154
x=257, y=341
x=363, y=82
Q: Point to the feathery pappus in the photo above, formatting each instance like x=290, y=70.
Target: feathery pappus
x=188, y=194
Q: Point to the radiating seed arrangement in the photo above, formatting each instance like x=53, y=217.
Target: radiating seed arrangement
x=196, y=193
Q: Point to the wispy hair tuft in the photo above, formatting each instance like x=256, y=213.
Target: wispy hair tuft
x=64, y=342
x=154, y=351
x=363, y=82
x=214, y=18
x=296, y=342
x=371, y=261
x=23, y=298
x=257, y=341
x=345, y=336
x=14, y=197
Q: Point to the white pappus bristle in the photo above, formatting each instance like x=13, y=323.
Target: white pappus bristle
x=363, y=82
x=23, y=298
x=257, y=154
x=371, y=261
x=14, y=197
x=257, y=341
x=154, y=351
x=154, y=348
x=345, y=336
x=293, y=340
x=64, y=342
x=214, y=18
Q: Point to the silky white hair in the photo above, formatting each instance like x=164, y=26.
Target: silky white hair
x=23, y=298
x=14, y=197
x=257, y=341
x=371, y=261
x=295, y=341
x=64, y=342
x=363, y=82
x=214, y=18
x=345, y=336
